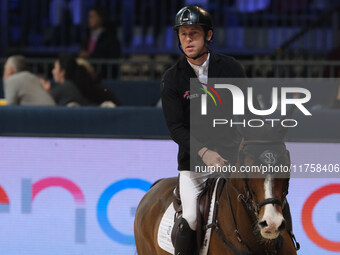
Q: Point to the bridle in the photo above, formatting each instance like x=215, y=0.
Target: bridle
x=248, y=198
x=250, y=202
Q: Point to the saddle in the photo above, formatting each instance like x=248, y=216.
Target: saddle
x=202, y=210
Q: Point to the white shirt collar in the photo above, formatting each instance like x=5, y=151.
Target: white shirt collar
x=204, y=65
x=202, y=70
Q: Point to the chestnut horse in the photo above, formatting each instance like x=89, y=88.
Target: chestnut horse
x=250, y=218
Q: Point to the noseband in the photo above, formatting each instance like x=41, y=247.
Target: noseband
x=250, y=201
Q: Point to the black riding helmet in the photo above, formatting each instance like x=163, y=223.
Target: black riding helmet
x=193, y=15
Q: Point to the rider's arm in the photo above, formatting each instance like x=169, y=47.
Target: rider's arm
x=175, y=116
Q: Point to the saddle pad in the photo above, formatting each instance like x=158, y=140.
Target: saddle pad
x=167, y=222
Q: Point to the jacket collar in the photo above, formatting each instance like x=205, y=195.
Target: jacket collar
x=215, y=67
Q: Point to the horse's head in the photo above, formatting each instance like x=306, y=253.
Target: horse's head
x=265, y=192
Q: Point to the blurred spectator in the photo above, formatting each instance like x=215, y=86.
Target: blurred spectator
x=101, y=40
x=73, y=82
x=76, y=86
x=21, y=87
x=102, y=95
x=89, y=68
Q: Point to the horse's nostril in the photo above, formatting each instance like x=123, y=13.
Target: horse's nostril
x=263, y=224
x=282, y=226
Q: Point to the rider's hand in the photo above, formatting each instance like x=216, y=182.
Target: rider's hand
x=211, y=158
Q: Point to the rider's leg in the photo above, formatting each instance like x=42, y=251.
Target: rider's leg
x=190, y=186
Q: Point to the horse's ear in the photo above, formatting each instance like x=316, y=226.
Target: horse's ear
x=280, y=130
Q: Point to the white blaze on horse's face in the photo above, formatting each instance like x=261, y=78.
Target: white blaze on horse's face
x=272, y=220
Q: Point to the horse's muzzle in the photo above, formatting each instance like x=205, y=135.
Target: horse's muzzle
x=271, y=230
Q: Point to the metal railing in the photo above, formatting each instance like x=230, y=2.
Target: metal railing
x=151, y=69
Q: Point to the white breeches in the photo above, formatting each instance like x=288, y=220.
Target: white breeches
x=190, y=185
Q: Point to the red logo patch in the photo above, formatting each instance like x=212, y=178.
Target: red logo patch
x=186, y=94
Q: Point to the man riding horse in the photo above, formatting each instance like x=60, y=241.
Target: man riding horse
x=194, y=28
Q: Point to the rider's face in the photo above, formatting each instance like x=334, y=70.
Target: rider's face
x=192, y=39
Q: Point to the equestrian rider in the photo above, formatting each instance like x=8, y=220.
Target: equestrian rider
x=194, y=28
